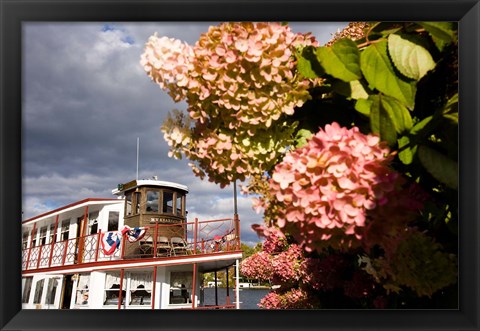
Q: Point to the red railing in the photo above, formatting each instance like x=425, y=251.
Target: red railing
x=198, y=237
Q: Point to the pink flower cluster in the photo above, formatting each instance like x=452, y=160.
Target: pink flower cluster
x=329, y=187
x=225, y=155
x=238, y=80
x=387, y=227
x=246, y=73
x=295, y=298
x=258, y=266
x=286, y=266
x=275, y=240
x=278, y=268
x=304, y=279
x=168, y=62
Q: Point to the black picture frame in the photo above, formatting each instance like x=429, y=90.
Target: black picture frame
x=14, y=12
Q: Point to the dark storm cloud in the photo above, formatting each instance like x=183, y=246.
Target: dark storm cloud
x=86, y=99
x=86, y=106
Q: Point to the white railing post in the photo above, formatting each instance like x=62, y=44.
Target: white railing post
x=237, y=284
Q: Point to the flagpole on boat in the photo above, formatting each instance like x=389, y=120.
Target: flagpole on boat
x=235, y=211
x=138, y=148
x=236, y=220
x=237, y=234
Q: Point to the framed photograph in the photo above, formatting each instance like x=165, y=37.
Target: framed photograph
x=397, y=204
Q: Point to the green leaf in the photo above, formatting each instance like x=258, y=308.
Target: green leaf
x=406, y=152
x=358, y=90
x=402, y=119
x=363, y=106
x=439, y=43
x=442, y=168
x=442, y=33
x=453, y=118
x=380, y=74
x=440, y=30
x=386, y=33
x=352, y=90
x=452, y=105
x=382, y=122
x=341, y=60
x=388, y=117
x=307, y=63
x=420, y=125
x=302, y=137
x=411, y=59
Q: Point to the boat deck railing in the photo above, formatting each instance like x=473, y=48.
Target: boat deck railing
x=192, y=238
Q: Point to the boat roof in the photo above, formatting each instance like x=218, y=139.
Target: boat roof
x=148, y=182
x=75, y=205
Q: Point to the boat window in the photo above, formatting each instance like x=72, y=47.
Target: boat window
x=168, y=202
x=24, y=240
x=65, y=229
x=138, y=196
x=141, y=288
x=34, y=237
x=112, y=289
x=38, y=291
x=178, y=205
x=180, y=287
x=43, y=235
x=93, y=222
x=27, y=288
x=82, y=290
x=51, y=290
x=128, y=204
x=152, y=201
x=113, y=218
x=51, y=237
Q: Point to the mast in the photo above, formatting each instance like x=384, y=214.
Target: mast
x=236, y=220
x=138, y=148
x=235, y=211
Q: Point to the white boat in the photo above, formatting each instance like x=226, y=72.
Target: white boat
x=217, y=283
x=136, y=251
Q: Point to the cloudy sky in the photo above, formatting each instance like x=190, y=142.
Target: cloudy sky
x=86, y=99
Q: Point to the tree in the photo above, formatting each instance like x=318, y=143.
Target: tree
x=350, y=149
x=221, y=276
x=249, y=251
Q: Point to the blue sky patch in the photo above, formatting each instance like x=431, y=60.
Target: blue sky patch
x=129, y=40
x=108, y=27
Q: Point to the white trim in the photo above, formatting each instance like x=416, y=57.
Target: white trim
x=237, y=284
x=87, y=203
x=151, y=182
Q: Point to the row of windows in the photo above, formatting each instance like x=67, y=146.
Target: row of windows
x=64, y=229
x=139, y=288
x=39, y=287
x=156, y=201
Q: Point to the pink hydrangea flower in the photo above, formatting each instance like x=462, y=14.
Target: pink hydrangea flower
x=331, y=189
x=168, y=62
x=286, y=265
x=257, y=266
x=275, y=240
x=238, y=80
x=295, y=298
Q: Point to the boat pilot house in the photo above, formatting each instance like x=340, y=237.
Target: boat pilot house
x=137, y=251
